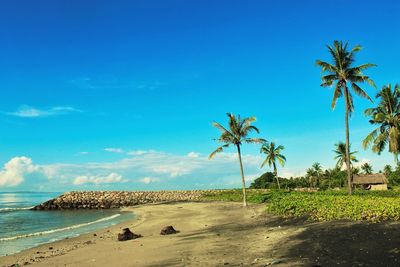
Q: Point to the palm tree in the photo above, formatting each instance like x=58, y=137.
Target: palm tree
x=328, y=176
x=367, y=168
x=273, y=153
x=342, y=73
x=310, y=174
x=238, y=132
x=317, y=172
x=355, y=171
x=387, y=170
x=387, y=117
x=341, y=155
x=314, y=174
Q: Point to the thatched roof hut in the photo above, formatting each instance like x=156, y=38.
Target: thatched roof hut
x=369, y=179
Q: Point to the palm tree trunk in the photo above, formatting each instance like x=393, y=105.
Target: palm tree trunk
x=396, y=159
x=276, y=176
x=349, y=174
x=243, y=180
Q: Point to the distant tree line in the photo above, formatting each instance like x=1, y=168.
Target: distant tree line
x=316, y=177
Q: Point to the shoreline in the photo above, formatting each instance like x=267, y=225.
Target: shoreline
x=53, y=244
x=222, y=234
x=50, y=254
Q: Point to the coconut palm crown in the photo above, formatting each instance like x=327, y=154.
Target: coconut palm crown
x=387, y=117
x=236, y=134
x=367, y=168
x=343, y=75
x=273, y=153
x=341, y=155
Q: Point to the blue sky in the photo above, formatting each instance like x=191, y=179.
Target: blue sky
x=147, y=78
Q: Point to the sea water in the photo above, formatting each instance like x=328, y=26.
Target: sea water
x=22, y=228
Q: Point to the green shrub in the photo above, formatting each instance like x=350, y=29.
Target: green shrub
x=372, y=206
x=325, y=206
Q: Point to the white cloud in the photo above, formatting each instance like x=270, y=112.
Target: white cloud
x=14, y=171
x=83, y=153
x=193, y=155
x=148, y=180
x=173, y=171
x=93, y=179
x=114, y=150
x=31, y=112
x=288, y=173
x=141, y=152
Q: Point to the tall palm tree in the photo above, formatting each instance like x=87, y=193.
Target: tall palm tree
x=367, y=168
x=342, y=73
x=273, y=154
x=341, y=155
x=387, y=117
x=236, y=135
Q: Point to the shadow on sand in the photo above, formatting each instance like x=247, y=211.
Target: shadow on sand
x=340, y=243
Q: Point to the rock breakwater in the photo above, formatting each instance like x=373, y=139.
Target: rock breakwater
x=118, y=199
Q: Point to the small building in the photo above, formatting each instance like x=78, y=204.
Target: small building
x=375, y=181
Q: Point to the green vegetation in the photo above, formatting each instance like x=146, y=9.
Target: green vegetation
x=392, y=175
x=235, y=195
x=325, y=206
x=323, y=179
x=387, y=117
x=372, y=206
x=238, y=132
x=340, y=74
x=273, y=153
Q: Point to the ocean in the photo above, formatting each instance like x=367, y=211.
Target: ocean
x=22, y=228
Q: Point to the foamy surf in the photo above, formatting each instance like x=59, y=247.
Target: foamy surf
x=14, y=209
x=59, y=229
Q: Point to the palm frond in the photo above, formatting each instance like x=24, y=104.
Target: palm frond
x=337, y=94
x=370, y=138
x=360, y=92
x=281, y=159
x=218, y=150
x=255, y=140
x=221, y=128
x=325, y=66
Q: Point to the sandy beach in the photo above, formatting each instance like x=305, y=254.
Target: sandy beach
x=221, y=234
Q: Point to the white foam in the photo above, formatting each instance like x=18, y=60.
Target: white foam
x=59, y=229
x=14, y=209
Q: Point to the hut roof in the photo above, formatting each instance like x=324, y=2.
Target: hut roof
x=377, y=178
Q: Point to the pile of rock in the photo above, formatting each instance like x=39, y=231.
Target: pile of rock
x=117, y=199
